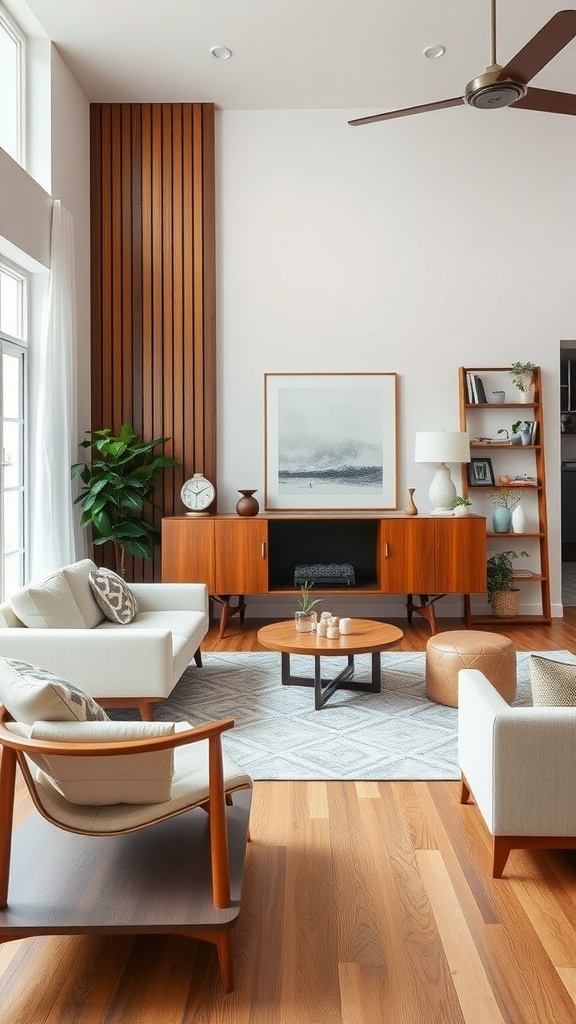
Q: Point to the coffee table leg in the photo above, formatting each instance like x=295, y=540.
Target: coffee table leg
x=324, y=688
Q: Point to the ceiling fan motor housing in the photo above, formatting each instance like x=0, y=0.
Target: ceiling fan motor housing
x=486, y=92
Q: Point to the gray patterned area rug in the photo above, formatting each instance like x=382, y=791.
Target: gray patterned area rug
x=397, y=734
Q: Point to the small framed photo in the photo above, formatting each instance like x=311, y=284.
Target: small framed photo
x=480, y=473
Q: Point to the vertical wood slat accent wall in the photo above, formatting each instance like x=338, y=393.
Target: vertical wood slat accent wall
x=153, y=360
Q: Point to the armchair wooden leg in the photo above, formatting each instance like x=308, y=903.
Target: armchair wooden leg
x=7, y=783
x=500, y=850
x=198, y=658
x=464, y=791
x=226, y=959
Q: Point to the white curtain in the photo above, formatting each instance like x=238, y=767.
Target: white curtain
x=54, y=416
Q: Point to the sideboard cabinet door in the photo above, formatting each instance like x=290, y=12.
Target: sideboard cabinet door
x=460, y=556
x=408, y=562
x=241, y=556
x=188, y=551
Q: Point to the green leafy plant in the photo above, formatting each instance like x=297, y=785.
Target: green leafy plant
x=458, y=501
x=516, y=426
x=519, y=371
x=119, y=483
x=306, y=603
x=500, y=573
x=507, y=497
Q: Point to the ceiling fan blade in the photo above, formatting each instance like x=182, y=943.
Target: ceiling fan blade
x=408, y=110
x=548, y=101
x=553, y=37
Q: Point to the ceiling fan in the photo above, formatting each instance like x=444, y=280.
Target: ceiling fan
x=508, y=86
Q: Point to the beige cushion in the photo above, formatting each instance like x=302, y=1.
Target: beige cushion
x=128, y=778
x=30, y=693
x=48, y=604
x=113, y=596
x=77, y=577
x=553, y=682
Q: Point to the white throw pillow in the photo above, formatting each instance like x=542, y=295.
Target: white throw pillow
x=113, y=596
x=30, y=693
x=121, y=779
x=553, y=682
x=48, y=604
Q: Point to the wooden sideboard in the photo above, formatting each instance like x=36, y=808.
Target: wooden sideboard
x=391, y=554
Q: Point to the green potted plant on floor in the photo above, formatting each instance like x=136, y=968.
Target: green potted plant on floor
x=119, y=483
x=502, y=593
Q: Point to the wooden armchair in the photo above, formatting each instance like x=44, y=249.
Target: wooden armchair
x=115, y=873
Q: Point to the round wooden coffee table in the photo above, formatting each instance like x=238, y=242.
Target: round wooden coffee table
x=367, y=637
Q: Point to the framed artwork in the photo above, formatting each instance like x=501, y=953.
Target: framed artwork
x=480, y=473
x=330, y=441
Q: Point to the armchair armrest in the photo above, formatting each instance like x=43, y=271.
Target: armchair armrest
x=520, y=762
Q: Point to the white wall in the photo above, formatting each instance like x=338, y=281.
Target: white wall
x=413, y=246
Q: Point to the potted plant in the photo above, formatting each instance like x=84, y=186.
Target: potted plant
x=305, y=616
x=522, y=378
x=504, y=498
x=503, y=596
x=461, y=506
x=119, y=483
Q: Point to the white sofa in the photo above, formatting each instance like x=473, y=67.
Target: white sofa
x=519, y=764
x=128, y=665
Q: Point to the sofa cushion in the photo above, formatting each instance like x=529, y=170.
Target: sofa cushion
x=30, y=693
x=77, y=576
x=553, y=682
x=113, y=596
x=49, y=603
x=123, y=779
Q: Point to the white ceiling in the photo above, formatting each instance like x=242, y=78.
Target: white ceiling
x=363, y=55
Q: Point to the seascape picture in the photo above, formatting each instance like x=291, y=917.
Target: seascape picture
x=330, y=440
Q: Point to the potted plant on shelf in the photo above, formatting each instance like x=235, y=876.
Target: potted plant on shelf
x=503, y=596
x=119, y=483
x=461, y=506
x=305, y=616
x=523, y=378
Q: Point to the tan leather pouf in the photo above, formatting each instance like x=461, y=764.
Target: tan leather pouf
x=447, y=653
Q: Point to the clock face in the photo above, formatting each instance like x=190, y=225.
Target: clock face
x=198, y=493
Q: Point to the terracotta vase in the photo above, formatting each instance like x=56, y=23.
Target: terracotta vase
x=247, y=504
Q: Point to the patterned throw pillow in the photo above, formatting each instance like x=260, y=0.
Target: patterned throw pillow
x=113, y=596
x=553, y=682
x=30, y=694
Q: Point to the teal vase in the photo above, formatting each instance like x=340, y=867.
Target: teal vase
x=501, y=520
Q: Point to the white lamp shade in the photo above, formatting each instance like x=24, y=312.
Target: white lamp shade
x=442, y=446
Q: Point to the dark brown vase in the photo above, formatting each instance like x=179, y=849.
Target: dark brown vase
x=247, y=505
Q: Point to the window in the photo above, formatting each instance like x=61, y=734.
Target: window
x=12, y=78
x=13, y=449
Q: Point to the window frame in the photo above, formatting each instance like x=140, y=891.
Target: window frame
x=12, y=29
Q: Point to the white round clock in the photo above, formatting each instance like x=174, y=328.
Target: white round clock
x=197, y=494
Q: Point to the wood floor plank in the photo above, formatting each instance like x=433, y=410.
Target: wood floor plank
x=475, y=994
x=317, y=799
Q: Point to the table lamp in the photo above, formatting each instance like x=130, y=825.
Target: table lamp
x=440, y=447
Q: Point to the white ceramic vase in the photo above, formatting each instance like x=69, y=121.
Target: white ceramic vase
x=518, y=519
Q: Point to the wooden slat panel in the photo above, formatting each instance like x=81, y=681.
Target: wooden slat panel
x=153, y=293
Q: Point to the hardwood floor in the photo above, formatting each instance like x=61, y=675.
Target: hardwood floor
x=363, y=903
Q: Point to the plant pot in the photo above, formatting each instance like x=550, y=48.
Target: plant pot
x=462, y=510
x=305, y=622
x=527, y=395
x=505, y=603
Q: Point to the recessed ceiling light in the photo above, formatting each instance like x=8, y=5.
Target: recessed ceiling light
x=434, y=51
x=220, y=52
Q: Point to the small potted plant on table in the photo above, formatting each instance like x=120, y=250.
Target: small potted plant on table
x=305, y=616
x=461, y=506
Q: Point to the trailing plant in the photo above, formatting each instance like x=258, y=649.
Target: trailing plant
x=458, y=501
x=519, y=371
x=306, y=603
x=506, y=497
x=499, y=572
x=119, y=483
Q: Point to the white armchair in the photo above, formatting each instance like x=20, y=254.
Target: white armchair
x=134, y=664
x=519, y=764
